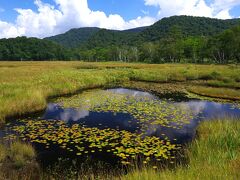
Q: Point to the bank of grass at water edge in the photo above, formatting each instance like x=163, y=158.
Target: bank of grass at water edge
x=212, y=92
x=213, y=155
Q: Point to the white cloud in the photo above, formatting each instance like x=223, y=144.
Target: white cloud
x=180, y=7
x=221, y=8
x=9, y=30
x=50, y=20
x=217, y=9
x=221, y=5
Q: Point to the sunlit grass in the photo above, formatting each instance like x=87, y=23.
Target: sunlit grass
x=223, y=93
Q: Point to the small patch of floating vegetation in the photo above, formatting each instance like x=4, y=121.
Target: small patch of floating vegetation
x=122, y=144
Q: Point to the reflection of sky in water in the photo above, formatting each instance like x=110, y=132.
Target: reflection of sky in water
x=122, y=121
x=133, y=93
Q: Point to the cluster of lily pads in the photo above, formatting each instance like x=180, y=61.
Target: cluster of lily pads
x=145, y=109
x=83, y=140
x=149, y=111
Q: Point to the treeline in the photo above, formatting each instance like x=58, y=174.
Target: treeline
x=22, y=48
x=173, y=48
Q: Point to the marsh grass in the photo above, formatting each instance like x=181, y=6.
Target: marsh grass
x=87, y=171
x=18, y=161
x=223, y=93
x=21, y=154
x=3, y=153
x=17, y=153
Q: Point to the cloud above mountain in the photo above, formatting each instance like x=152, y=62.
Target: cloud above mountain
x=216, y=8
x=50, y=20
x=66, y=14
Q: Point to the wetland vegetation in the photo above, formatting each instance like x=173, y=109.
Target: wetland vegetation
x=137, y=120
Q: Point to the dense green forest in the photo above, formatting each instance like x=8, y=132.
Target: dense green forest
x=74, y=37
x=174, y=39
x=23, y=48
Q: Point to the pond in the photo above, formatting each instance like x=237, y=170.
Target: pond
x=116, y=126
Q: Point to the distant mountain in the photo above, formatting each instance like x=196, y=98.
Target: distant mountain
x=74, y=37
x=106, y=38
x=92, y=37
x=95, y=37
x=136, y=30
x=189, y=25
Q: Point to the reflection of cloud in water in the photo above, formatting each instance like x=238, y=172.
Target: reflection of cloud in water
x=193, y=107
x=133, y=93
x=56, y=112
x=200, y=110
x=185, y=134
x=187, y=131
x=69, y=114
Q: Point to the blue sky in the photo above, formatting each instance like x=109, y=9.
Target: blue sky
x=128, y=9
x=41, y=18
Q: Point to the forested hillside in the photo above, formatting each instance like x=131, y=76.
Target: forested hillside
x=22, y=48
x=175, y=47
x=92, y=36
x=173, y=39
x=74, y=37
x=190, y=26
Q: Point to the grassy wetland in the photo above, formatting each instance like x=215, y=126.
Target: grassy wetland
x=143, y=151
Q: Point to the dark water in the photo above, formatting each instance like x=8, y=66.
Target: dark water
x=201, y=110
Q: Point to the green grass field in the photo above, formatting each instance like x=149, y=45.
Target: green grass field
x=25, y=87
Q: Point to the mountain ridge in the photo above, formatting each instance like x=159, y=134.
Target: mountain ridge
x=91, y=37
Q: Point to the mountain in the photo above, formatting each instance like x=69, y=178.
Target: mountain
x=105, y=38
x=74, y=37
x=188, y=25
x=136, y=30
x=91, y=37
